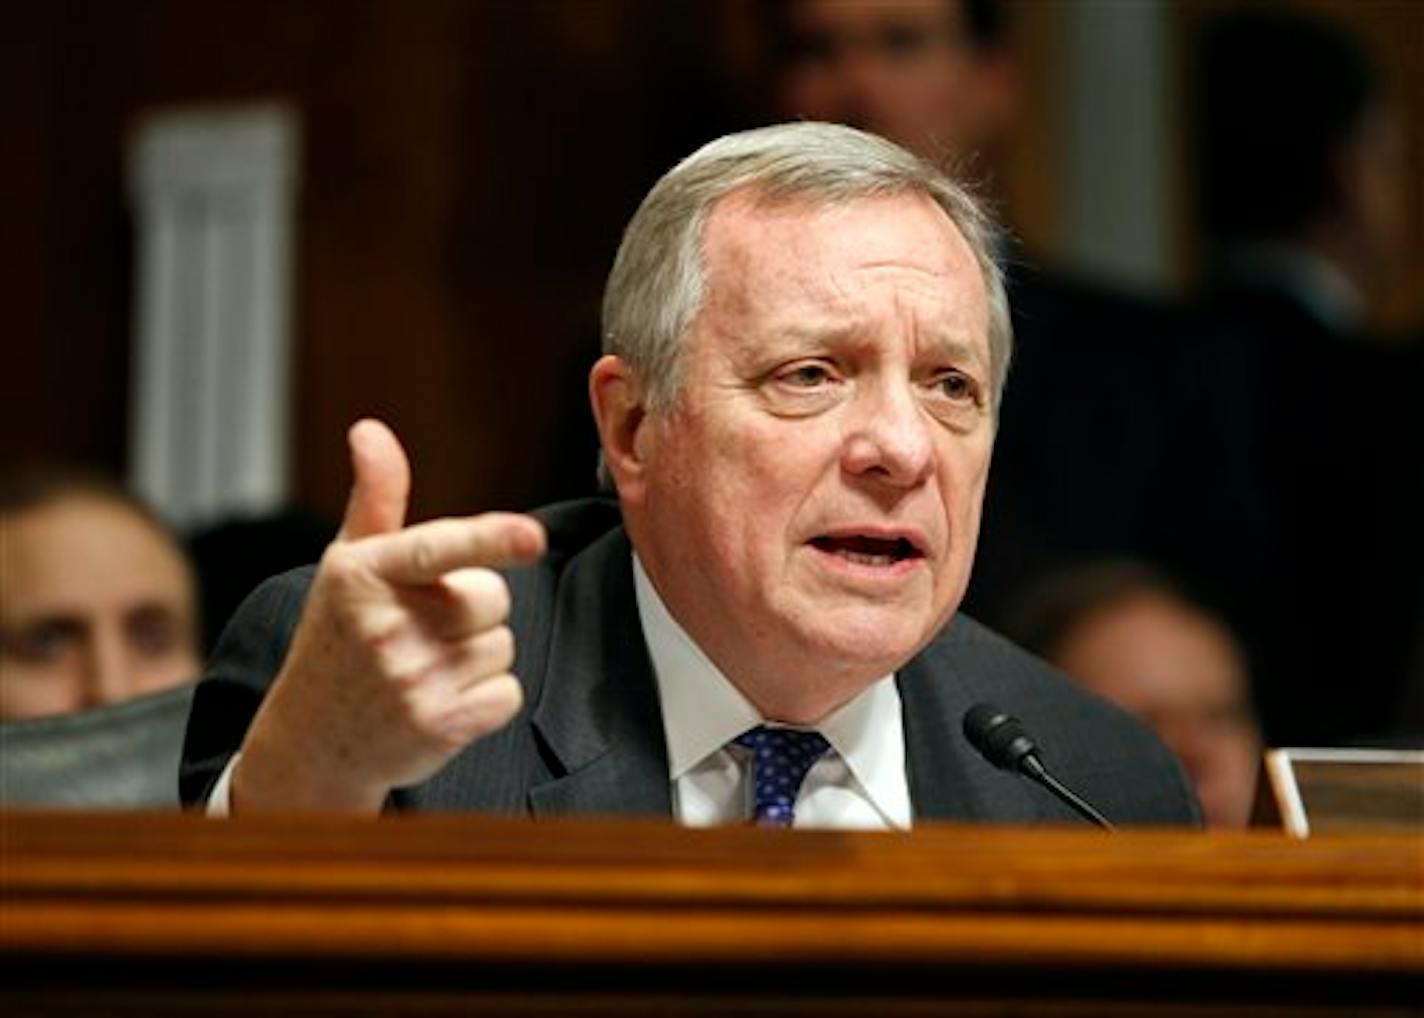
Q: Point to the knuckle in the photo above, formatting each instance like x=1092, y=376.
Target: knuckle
x=501, y=647
x=422, y=553
x=486, y=596
x=428, y=717
x=496, y=595
x=380, y=634
x=407, y=683
x=492, y=703
x=338, y=563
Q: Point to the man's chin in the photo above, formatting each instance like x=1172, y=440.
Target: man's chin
x=872, y=642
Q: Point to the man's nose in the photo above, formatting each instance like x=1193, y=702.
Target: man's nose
x=108, y=669
x=889, y=437
x=865, y=85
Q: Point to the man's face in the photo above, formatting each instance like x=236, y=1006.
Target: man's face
x=900, y=68
x=811, y=503
x=97, y=608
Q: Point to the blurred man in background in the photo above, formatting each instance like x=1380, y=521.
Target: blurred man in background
x=1301, y=171
x=1127, y=633
x=936, y=76
x=99, y=599
x=98, y=645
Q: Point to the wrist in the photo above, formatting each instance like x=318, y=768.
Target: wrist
x=283, y=770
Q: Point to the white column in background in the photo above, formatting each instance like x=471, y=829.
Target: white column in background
x=214, y=197
x=1117, y=120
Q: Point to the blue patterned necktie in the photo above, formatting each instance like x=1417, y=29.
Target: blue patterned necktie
x=781, y=758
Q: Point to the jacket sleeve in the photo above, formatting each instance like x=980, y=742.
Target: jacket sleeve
x=247, y=658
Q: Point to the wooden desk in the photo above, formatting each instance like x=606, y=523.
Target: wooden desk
x=137, y=914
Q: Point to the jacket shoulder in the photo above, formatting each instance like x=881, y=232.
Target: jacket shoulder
x=1108, y=756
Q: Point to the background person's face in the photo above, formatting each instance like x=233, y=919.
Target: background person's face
x=1179, y=672
x=97, y=608
x=812, y=501
x=900, y=68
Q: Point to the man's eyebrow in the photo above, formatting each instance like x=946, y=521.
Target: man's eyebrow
x=800, y=332
x=17, y=631
x=958, y=350
x=52, y=619
x=793, y=336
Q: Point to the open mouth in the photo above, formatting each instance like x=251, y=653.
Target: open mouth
x=868, y=551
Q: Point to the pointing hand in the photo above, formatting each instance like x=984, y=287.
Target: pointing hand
x=401, y=657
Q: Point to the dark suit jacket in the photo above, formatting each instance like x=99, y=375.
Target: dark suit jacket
x=590, y=738
x=1105, y=446
x=1329, y=427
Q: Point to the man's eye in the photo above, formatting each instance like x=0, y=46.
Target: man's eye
x=905, y=40
x=958, y=387
x=806, y=376
x=815, y=48
x=43, y=641
x=152, y=630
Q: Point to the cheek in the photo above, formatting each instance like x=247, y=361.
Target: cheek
x=965, y=465
x=32, y=691
x=172, y=671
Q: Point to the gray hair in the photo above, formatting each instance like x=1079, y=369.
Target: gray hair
x=656, y=288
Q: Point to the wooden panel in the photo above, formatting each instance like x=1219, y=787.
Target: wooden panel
x=427, y=914
x=467, y=168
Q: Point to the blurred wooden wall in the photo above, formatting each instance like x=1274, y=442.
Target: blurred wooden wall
x=467, y=170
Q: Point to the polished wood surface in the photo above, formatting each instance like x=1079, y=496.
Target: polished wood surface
x=431, y=914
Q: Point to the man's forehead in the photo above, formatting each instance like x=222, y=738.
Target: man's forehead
x=809, y=14
x=741, y=224
x=812, y=259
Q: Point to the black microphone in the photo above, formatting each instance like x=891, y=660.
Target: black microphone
x=1000, y=738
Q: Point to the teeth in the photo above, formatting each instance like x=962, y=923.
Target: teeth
x=862, y=558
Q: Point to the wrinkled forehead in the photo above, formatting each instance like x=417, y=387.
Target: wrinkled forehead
x=757, y=222
x=776, y=256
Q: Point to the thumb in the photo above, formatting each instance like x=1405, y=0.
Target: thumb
x=380, y=487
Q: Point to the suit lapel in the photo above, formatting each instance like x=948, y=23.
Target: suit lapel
x=598, y=717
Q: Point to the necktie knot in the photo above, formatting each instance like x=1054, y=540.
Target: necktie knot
x=781, y=759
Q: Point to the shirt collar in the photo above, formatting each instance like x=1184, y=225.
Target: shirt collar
x=703, y=711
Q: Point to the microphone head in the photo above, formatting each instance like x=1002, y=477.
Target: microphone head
x=999, y=737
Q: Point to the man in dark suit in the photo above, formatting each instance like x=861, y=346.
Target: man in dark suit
x=806, y=336
x=1302, y=177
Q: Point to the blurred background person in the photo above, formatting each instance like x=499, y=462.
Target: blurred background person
x=1301, y=163
x=936, y=76
x=1301, y=176
x=1128, y=633
x=99, y=599
x=98, y=644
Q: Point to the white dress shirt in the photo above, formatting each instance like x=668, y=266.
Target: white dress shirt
x=860, y=783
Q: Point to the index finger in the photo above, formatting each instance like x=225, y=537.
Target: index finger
x=427, y=551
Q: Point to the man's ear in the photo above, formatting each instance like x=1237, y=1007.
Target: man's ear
x=620, y=411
